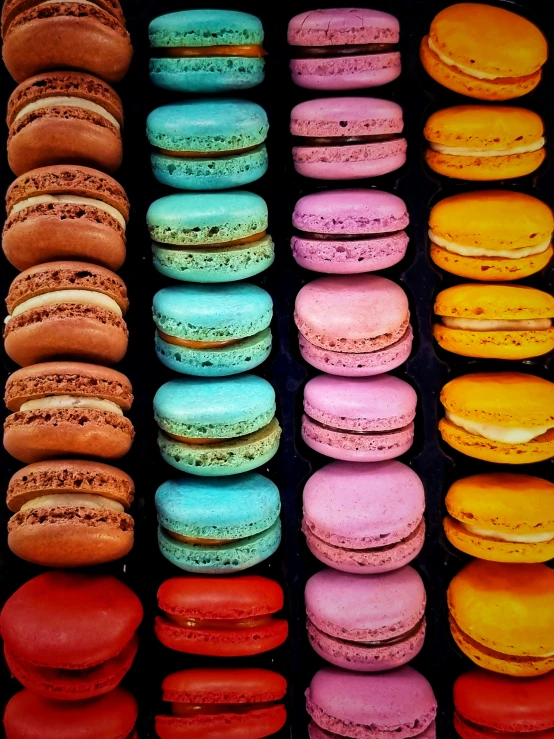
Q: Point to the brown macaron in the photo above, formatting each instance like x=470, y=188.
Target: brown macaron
x=67, y=409
x=64, y=118
x=44, y=34
x=66, y=310
x=70, y=513
x=65, y=212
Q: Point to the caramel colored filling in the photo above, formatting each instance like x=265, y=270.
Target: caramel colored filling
x=178, y=52
x=205, y=154
x=220, y=624
x=195, y=344
x=196, y=540
x=214, y=709
x=191, y=440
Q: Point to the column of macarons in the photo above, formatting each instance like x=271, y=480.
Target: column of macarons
x=502, y=603
x=217, y=421
x=363, y=514
x=69, y=637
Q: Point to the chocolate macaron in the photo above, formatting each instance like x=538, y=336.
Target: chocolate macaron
x=66, y=310
x=67, y=409
x=64, y=118
x=70, y=513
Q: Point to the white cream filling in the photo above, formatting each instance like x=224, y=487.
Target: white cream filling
x=466, y=70
x=79, y=500
x=83, y=297
x=510, y=538
x=463, y=151
x=55, y=402
x=477, y=251
x=478, y=324
x=68, y=102
x=69, y=200
x=505, y=434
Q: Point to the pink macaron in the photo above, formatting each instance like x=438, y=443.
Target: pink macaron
x=347, y=138
x=359, y=419
x=344, y=48
x=353, y=325
x=364, y=518
x=366, y=623
x=398, y=704
x=349, y=231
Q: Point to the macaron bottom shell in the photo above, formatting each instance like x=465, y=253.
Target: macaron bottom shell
x=511, y=345
x=207, y=74
x=256, y=723
x=350, y=162
x=346, y=73
x=350, y=256
x=316, y=732
x=485, y=169
x=467, y=730
x=217, y=173
x=490, y=269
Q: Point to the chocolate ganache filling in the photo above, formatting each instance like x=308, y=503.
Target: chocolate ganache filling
x=322, y=52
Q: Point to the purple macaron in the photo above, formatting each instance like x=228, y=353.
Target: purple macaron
x=364, y=518
x=359, y=419
x=349, y=231
x=344, y=48
x=366, y=623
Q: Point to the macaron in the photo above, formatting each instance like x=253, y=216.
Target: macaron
x=344, y=48
x=364, y=518
x=217, y=426
x=485, y=142
x=347, y=138
x=62, y=409
x=492, y=235
x=71, y=636
x=208, y=144
x=213, y=330
x=221, y=617
x=65, y=212
x=218, y=525
x=210, y=237
x=502, y=517
x=495, y=321
x=359, y=419
x=398, y=703
x=366, y=624
x=502, y=616
x=206, y=51
x=64, y=118
x=38, y=36
x=66, y=310
x=503, y=417
x=208, y=703
x=484, y=52
x=349, y=231
x=353, y=325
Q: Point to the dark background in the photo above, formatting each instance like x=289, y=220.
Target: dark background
x=428, y=369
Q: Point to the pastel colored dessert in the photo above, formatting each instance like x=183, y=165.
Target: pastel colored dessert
x=495, y=321
x=70, y=513
x=354, y=326
x=503, y=417
x=91, y=37
x=208, y=144
x=210, y=237
x=344, y=48
x=484, y=52
x=218, y=525
x=484, y=142
x=67, y=409
x=64, y=118
x=111, y=716
x=398, y=703
x=213, y=702
x=66, y=310
x=221, y=617
x=349, y=231
x=502, y=517
x=347, y=138
x=219, y=426
x=213, y=330
x=206, y=51
x=502, y=616
x=364, y=518
x=492, y=235
x=65, y=212
x=71, y=636
x=359, y=419
x=366, y=624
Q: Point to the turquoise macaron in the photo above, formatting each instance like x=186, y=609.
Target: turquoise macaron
x=212, y=330
x=210, y=237
x=206, y=51
x=217, y=426
x=218, y=525
x=208, y=144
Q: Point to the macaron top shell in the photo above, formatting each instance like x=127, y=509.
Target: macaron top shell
x=13, y=7
x=198, y=28
x=224, y=685
x=343, y=26
x=494, y=302
x=351, y=116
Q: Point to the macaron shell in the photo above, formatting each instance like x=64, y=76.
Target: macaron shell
x=316, y=732
x=207, y=74
x=471, y=731
x=342, y=26
x=485, y=169
x=346, y=73
x=224, y=685
x=352, y=256
x=490, y=269
x=510, y=345
x=350, y=162
x=254, y=724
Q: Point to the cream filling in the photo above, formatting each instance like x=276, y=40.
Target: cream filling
x=505, y=434
x=466, y=70
x=477, y=251
x=478, y=324
x=83, y=297
x=79, y=500
x=463, y=151
x=69, y=200
x=55, y=402
x=68, y=102
x=510, y=538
